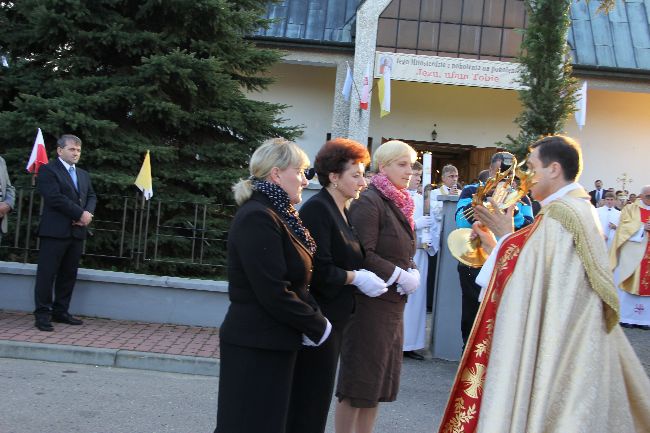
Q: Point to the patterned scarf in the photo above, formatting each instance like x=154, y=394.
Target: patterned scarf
x=400, y=197
x=280, y=202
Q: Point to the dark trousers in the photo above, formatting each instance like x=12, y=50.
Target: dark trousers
x=431, y=280
x=470, y=304
x=58, y=261
x=254, y=389
x=313, y=384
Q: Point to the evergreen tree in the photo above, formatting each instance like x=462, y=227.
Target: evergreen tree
x=549, y=89
x=130, y=75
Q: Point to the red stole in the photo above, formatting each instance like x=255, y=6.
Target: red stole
x=644, y=280
x=464, y=404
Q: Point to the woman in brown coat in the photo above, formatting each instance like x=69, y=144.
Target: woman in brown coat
x=371, y=354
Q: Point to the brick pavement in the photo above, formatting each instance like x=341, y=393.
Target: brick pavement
x=201, y=342
x=115, y=334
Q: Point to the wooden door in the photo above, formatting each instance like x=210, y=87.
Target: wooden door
x=479, y=159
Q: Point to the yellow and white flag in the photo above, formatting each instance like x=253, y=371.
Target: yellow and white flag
x=384, y=91
x=144, y=181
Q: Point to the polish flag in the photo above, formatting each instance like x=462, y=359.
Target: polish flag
x=365, y=90
x=39, y=155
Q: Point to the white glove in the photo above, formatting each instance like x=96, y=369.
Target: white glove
x=423, y=222
x=369, y=283
x=408, y=281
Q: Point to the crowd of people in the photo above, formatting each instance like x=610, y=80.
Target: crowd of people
x=624, y=219
x=347, y=275
x=328, y=300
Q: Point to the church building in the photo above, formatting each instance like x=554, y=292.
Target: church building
x=453, y=88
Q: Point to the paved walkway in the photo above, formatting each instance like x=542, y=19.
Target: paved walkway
x=149, y=346
x=176, y=345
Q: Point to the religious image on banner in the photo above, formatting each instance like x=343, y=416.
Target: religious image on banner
x=385, y=68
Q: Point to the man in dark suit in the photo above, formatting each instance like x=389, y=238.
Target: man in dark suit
x=597, y=194
x=7, y=197
x=68, y=205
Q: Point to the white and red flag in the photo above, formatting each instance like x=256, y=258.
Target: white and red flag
x=365, y=90
x=39, y=155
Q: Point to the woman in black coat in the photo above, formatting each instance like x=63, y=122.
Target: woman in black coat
x=271, y=314
x=337, y=276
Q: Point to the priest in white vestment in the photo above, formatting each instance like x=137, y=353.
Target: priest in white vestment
x=546, y=353
x=630, y=260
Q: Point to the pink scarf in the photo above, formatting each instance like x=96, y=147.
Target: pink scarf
x=400, y=197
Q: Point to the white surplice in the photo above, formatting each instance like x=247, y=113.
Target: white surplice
x=416, y=306
x=608, y=215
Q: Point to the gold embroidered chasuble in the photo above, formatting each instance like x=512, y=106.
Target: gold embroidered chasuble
x=629, y=255
x=557, y=361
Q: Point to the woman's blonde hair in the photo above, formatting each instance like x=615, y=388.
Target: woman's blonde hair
x=391, y=151
x=275, y=152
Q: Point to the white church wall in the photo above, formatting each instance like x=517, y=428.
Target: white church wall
x=309, y=90
x=615, y=139
x=462, y=115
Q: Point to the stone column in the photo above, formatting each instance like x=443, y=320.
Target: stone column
x=364, y=54
x=341, y=109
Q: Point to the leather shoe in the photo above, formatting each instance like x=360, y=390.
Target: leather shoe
x=413, y=355
x=66, y=318
x=44, y=326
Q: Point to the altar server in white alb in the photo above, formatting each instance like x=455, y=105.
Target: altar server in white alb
x=609, y=217
x=427, y=232
x=630, y=259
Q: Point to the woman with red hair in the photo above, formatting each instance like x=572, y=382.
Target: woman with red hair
x=337, y=277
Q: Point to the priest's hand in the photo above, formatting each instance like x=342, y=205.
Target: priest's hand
x=499, y=222
x=488, y=241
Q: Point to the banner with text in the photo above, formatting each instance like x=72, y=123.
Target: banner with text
x=448, y=70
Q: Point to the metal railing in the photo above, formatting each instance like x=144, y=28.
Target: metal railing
x=129, y=233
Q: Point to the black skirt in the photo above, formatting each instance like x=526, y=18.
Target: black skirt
x=254, y=389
